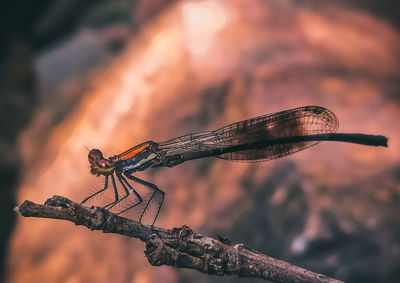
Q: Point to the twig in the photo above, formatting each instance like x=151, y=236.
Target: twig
x=178, y=247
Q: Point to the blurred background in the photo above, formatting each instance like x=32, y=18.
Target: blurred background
x=112, y=74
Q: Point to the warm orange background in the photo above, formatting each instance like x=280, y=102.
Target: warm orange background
x=201, y=65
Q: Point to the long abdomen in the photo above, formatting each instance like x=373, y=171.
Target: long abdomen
x=263, y=138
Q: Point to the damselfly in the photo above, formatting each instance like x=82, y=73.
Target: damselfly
x=262, y=138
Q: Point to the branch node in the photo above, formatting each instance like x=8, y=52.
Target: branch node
x=155, y=250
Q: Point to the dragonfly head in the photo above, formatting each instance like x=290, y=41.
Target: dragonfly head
x=100, y=165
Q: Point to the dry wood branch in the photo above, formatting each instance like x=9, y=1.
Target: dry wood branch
x=179, y=247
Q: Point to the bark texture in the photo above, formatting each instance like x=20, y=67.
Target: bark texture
x=178, y=247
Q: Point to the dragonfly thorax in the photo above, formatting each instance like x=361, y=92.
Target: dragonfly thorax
x=100, y=165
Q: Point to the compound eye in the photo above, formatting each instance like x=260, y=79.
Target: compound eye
x=95, y=154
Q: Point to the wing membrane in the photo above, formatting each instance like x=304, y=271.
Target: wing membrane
x=309, y=120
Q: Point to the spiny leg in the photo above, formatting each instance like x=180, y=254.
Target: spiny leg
x=111, y=205
x=155, y=190
x=124, y=184
x=132, y=189
x=115, y=193
x=96, y=193
x=140, y=199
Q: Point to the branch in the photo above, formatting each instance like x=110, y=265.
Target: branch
x=178, y=247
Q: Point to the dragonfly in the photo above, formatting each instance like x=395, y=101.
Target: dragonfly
x=262, y=138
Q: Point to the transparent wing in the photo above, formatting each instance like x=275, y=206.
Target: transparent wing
x=308, y=120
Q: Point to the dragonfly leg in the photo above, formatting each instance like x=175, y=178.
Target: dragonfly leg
x=126, y=185
x=155, y=191
x=140, y=199
x=96, y=193
x=115, y=194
